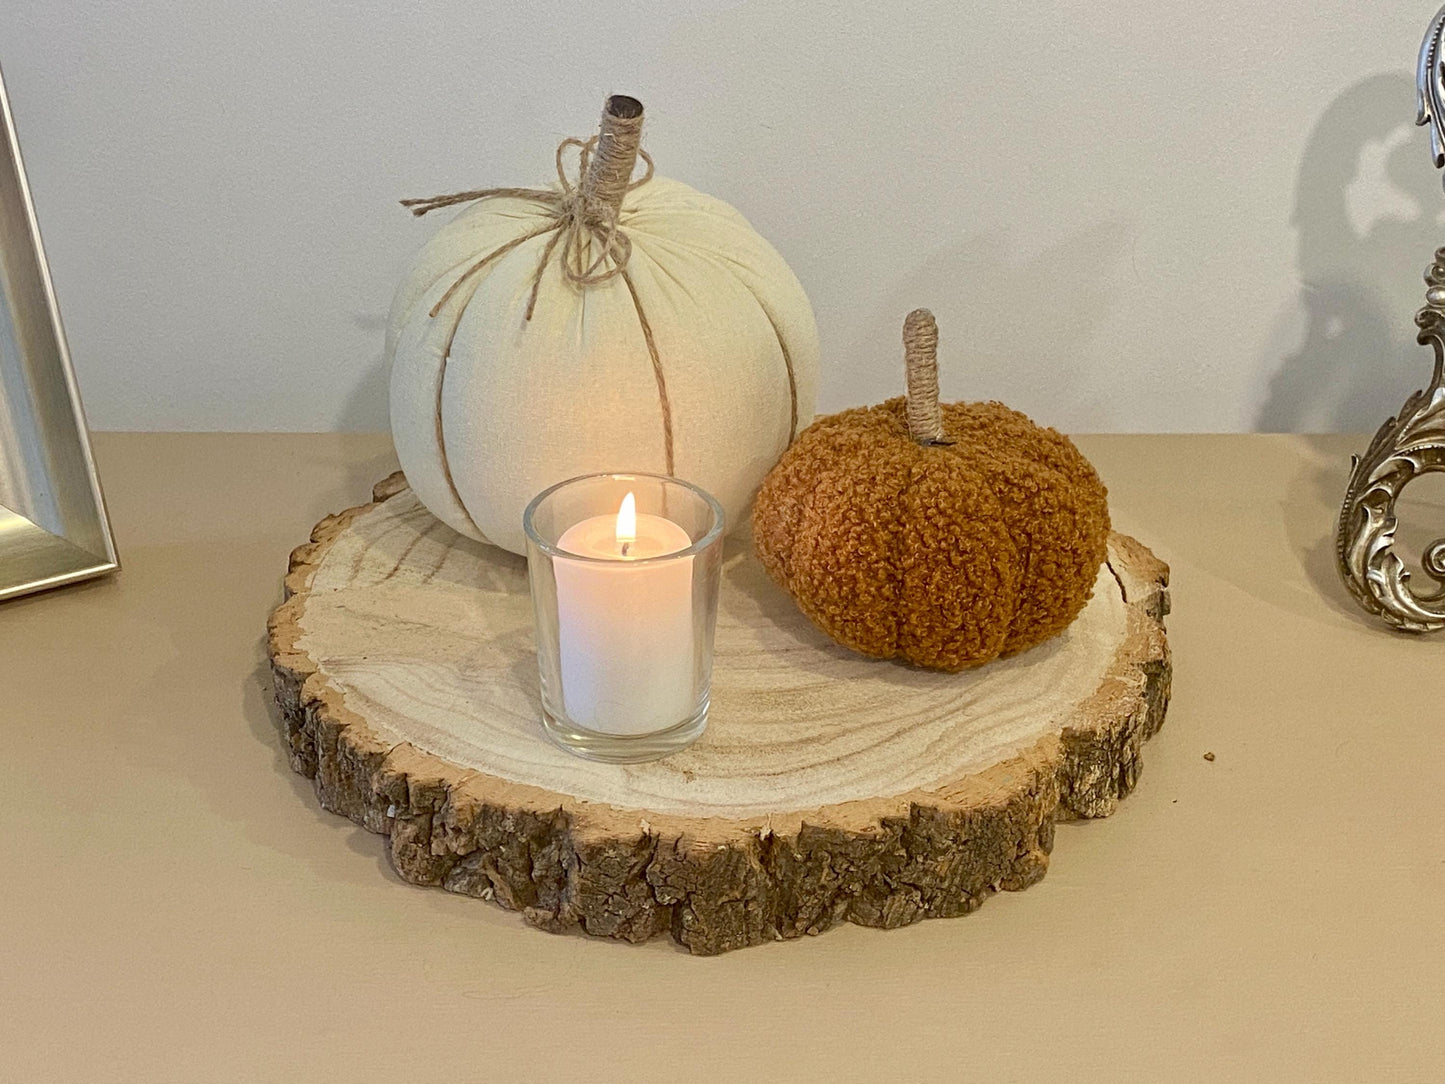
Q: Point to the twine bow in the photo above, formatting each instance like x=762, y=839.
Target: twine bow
x=582, y=214
x=583, y=211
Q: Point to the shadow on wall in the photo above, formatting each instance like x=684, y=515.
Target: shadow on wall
x=367, y=408
x=1009, y=332
x=1367, y=203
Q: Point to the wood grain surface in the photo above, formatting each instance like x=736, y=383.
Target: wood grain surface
x=405, y=653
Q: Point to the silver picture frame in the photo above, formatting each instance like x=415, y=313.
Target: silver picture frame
x=53, y=524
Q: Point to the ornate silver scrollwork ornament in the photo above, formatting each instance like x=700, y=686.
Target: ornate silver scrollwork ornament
x=1405, y=448
x=1430, y=87
x=1409, y=445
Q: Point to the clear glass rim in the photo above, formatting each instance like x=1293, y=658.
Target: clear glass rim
x=552, y=550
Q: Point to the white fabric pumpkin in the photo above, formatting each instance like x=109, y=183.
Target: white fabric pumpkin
x=489, y=408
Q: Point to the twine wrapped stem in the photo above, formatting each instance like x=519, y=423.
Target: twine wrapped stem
x=609, y=172
x=920, y=361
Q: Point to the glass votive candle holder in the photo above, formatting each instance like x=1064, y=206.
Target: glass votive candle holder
x=625, y=571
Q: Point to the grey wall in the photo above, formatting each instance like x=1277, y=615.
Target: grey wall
x=1127, y=215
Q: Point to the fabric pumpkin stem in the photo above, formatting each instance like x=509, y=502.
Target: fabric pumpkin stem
x=920, y=360
x=609, y=173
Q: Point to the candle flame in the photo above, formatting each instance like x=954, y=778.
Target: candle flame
x=627, y=523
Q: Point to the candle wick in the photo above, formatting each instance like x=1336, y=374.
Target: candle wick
x=625, y=547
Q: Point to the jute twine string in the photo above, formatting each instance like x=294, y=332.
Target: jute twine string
x=583, y=214
x=920, y=361
x=581, y=211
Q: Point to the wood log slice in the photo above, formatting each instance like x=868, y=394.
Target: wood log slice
x=827, y=788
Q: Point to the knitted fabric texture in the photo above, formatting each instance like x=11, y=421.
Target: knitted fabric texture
x=946, y=556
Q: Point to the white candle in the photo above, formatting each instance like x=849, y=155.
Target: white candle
x=625, y=623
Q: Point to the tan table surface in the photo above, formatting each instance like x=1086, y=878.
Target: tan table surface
x=174, y=905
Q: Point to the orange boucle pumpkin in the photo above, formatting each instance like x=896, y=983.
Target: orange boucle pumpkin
x=982, y=538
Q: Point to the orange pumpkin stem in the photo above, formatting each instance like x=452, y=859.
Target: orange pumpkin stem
x=920, y=360
x=609, y=170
